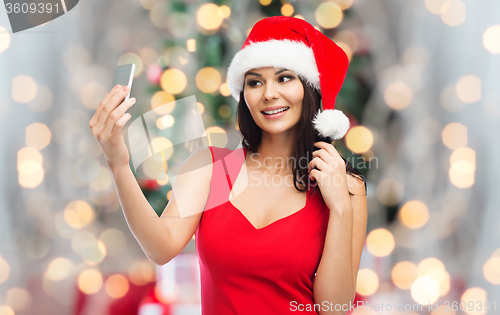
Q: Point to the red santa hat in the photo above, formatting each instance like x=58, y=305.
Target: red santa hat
x=294, y=44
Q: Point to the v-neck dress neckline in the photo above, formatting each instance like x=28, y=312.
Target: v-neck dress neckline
x=275, y=222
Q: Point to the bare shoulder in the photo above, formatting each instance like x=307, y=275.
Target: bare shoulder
x=198, y=159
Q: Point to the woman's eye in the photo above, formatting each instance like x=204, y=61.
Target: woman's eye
x=252, y=83
x=287, y=76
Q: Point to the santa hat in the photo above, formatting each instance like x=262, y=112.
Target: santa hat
x=294, y=44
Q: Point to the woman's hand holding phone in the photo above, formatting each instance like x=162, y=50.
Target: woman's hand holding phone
x=107, y=124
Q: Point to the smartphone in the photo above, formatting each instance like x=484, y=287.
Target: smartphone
x=124, y=75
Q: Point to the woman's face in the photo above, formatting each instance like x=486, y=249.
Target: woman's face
x=274, y=98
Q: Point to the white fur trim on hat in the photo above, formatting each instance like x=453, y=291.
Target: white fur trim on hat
x=331, y=123
x=292, y=55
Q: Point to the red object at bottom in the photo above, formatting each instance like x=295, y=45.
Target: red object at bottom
x=100, y=303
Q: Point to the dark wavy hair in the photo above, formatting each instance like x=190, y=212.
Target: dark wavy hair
x=304, y=146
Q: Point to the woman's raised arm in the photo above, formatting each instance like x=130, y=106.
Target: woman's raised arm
x=163, y=238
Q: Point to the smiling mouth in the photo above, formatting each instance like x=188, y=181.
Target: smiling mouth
x=276, y=111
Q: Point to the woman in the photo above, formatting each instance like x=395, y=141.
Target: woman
x=277, y=247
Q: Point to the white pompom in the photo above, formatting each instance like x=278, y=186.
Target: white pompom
x=331, y=123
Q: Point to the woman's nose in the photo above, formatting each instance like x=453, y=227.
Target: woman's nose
x=271, y=91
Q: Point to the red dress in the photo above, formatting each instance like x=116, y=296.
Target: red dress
x=245, y=270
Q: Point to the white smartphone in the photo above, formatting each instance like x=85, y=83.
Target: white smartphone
x=124, y=75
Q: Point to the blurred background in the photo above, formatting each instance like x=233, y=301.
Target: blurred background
x=422, y=93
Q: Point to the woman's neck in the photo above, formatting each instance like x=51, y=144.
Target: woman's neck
x=276, y=151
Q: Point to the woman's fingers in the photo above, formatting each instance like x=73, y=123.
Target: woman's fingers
x=314, y=173
x=324, y=155
x=318, y=162
x=330, y=149
x=94, y=119
x=107, y=107
x=118, y=126
x=116, y=114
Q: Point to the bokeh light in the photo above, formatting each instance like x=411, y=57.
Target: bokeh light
x=191, y=45
x=30, y=167
x=491, y=270
x=162, y=103
x=442, y=278
x=343, y=4
x=367, y=282
x=398, y=95
x=6, y=310
x=149, y=4
x=24, y=89
x=209, y=16
x=142, y=272
x=92, y=94
x=225, y=11
x=403, y=274
x=349, y=39
x=414, y=214
x=425, y=290
x=4, y=270
x=90, y=281
x=59, y=269
x=463, y=160
x=159, y=14
x=78, y=214
x=38, y=136
x=117, y=286
x=429, y=264
x=173, y=81
x=380, y=242
x=216, y=136
x=359, y=139
x=163, y=144
x=19, y=299
x=208, y=80
x=491, y=39
x=4, y=39
x=434, y=6
x=475, y=296
x=468, y=89
x=329, y=15
x=103, y=180
x=453, y=12
x=287, y=9
x=454, y=135
x=224, y=89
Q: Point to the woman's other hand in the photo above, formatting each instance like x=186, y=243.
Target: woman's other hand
x=107, y=124
x=330, y=175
